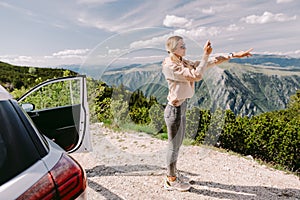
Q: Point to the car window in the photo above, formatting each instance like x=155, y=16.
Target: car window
x=17, y=151
x=61, y=93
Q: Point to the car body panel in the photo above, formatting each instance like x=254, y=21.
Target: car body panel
x=19, y=184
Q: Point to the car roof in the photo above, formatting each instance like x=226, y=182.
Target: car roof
x=4, y=94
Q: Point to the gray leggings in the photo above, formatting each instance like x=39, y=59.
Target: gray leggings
x=175, y=120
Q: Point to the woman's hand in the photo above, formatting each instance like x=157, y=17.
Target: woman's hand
x=207, y=48
x=242, y=54
x=220, y=59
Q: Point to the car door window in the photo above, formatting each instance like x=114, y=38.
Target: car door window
x=60, y=111
x=57, y=94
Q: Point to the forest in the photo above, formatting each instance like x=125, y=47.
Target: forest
x=15, y=77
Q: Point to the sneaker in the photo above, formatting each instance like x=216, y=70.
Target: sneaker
x=176, y=185
x=183, y=178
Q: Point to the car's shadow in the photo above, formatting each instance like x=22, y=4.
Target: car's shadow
x=208, y=189
x=125, y=170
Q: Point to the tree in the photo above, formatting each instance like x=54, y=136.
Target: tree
x=294, y=103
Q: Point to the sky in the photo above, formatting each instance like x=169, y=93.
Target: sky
x=52, y=33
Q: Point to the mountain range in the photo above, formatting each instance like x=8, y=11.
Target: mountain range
x=247, y=86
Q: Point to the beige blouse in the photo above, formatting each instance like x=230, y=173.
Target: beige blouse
x=181, y=79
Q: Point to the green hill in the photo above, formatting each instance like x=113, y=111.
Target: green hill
x=15, y=77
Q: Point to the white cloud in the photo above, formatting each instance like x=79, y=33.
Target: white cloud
x=115, y=51
x=234, y=27
x=155, y=41
x=71, y=52
x=268, y=17
x=178, y=22
x=209, y=11
x=24, y=59
x=6, y=5
x=16, y=58
x=113, y=23
x=284, y=1
x=295, y=53
x=21, y=60
x=92, y=22
x=120, y=17
x=201, y=32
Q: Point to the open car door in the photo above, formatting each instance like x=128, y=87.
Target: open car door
x=59, y=109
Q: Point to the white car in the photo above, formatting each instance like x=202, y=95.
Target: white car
x=36, y=132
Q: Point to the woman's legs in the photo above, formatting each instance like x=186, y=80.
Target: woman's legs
x=175, y=120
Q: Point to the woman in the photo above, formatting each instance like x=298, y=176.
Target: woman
x=181, y=75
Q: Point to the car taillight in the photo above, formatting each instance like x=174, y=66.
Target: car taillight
x=66, y=180
x=43, y=189
x=69, y=177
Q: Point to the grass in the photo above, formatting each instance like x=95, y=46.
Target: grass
x=161, y=136
x=137, y=128
x=131, y=127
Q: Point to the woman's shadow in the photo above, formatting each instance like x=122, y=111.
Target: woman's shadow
x=222, y=191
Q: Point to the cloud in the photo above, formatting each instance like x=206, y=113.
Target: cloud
x=115, y=22
x=6, y=5
x=71, y=52
x=267, y=17
x=295, y=54
x=22, y=60
x=284, y=1
x=17, y=9
x=178, y=22
x=203, y=31
x=16, y=59
x=119, y=17
x=68, y=56
x=233, y=28
x=153, y=42
x=209, y=11
x=199, y=32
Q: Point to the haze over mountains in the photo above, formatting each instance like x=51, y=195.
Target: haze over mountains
x=247, y=86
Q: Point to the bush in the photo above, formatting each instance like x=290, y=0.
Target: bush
x=272, y=137
x=156, y=114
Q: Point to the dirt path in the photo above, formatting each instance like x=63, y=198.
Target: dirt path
x=132, y=166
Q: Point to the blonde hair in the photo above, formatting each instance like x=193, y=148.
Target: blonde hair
x=171, y=46
x=172, y=43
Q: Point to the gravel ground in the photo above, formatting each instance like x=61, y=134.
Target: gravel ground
x=132, y=166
